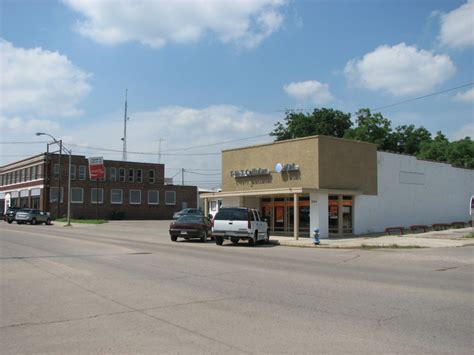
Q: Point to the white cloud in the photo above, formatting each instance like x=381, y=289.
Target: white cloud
x=155, y=23
x=400, y=70
x=463, y=132
x=466, y=96
x=179, y=126
x=36, y=82
x=309, y=91
x=457, y=26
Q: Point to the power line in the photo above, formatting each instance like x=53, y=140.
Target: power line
x=214, y=144
x=137, y=153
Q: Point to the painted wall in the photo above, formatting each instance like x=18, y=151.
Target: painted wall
x=319, y=214
x=412, y=191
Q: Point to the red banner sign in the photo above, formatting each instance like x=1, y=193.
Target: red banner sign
x=96, y=168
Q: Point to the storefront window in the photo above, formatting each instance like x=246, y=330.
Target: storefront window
x=279, y=213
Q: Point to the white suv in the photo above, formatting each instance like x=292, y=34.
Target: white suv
x=236, y=223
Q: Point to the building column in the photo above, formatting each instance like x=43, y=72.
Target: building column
x=206, y=207
x=319, y=217
x=296, y=216
x=340, y=224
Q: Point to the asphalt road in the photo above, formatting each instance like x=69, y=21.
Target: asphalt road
x=124, y=287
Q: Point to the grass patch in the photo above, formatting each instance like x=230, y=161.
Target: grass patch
x=83, y=221
x=469, y=236
x=390, y=246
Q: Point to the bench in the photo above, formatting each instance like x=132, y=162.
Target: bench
x=440, y=226
x=418, y=227
x=394, y=229
x=457, y=225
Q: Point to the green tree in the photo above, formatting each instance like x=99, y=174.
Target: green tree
x=372, y=128
x=408, y=139
x=436, y=149
x=461, y=153
x=324, y=121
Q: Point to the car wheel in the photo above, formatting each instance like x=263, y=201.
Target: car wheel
x=174, y=238
x=219, y=240
x=48, y=222
x=19, y=222
x=234, y=240
x=33, y=221
x=9, y=221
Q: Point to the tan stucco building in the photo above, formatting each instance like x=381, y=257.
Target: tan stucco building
x=340, y=186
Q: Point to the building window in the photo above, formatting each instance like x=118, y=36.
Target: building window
x=33, y=173
x=53, y=194
x=116, y=196
x=77, y=195
x=151, y=176
x=82, y=172
x=122, y=174
x=28, y=174
x=73, y=172
x=135, y=197
x=139, y=176
x=17, y=176
x=113, y=174
x=130, y=175
x=97, y=196
x=153, y=197
x=213, y=206
x=170, y=197
x=56, y=171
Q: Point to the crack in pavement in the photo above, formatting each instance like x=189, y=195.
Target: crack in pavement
x=132, y=309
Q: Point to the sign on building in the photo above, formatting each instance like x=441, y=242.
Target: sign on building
x=96, y=168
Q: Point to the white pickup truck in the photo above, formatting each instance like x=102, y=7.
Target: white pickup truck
x=236, y=223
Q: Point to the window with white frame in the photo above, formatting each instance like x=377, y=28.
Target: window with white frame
x=130, y=175
x=53, y=194
x=113, y=174
x=22, y=175
x=135, y=197
x=56, y=171
x=33, y=173
x=139, y=175
x=28, y=174
x=153, y=197
x=82, y=172
x=73, y=172
x=122, y=174
x=97, y=196
x=151, y=176
x=77, y=195
x=116, y=196
x=170, y=197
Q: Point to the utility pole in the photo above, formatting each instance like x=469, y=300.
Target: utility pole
x=159, y=150
x=182, y=176
x=59, y=177
x=124, y=139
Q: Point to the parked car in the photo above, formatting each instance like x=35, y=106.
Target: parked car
x=32, y=216
x=186, y=211
x=236, y=223
x=191, y=226
x=11, y=213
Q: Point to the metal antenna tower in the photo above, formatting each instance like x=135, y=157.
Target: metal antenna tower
x=124, y=139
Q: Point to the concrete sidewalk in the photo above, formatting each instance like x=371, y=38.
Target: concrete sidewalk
x=436, y=239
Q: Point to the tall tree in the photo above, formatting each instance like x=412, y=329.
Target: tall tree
x=324, y=121
x=436, y=149
x=461, y=153
x=409, y=139
x=372, y=128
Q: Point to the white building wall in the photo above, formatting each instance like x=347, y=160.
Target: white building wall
x=412, y=191
x=318, y=214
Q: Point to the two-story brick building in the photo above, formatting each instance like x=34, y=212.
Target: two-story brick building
x=130, y=190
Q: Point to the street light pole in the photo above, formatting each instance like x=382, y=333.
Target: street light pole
x=69, y=152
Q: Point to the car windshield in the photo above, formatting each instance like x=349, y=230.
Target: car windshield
x=232, y=214
x=190, y=219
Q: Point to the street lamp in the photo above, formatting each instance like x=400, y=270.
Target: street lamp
x=69, y=152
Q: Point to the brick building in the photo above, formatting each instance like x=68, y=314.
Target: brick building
x=130, y=190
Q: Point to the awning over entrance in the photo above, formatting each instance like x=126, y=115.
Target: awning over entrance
x=276, y=192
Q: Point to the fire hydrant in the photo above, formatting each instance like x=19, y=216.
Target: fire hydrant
x=316, y=236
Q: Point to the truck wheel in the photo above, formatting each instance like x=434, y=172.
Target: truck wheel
x=234, y=240
x=33, y=221
x=219, y=240
x=253, y=241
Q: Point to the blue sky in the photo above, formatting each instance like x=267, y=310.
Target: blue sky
x=203, y=72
